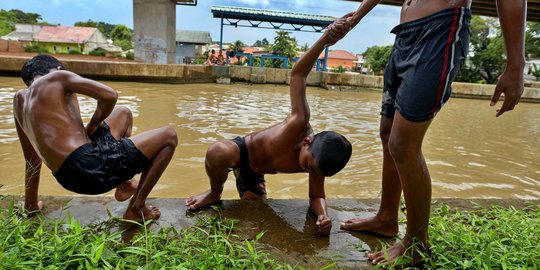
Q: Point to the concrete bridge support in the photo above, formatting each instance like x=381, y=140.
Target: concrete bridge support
x=154, y=23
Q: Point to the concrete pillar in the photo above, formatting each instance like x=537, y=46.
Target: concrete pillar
x=154, y=23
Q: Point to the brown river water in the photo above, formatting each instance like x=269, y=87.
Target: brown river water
x=470, y=153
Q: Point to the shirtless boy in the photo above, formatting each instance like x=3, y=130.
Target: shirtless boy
x=431, y=44
x=287, y=147
x=86, y=160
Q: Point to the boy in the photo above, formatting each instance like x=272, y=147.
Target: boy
x=431, y=44
x=287, y=147
x=87, y=160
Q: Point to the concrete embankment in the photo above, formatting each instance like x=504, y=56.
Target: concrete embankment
x=133, y=71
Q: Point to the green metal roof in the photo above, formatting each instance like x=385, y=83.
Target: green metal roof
x=275, y=16
x=194, y=37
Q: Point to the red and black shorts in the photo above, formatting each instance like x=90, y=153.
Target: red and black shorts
x=426, y=57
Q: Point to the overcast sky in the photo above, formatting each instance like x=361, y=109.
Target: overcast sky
x=373, y=30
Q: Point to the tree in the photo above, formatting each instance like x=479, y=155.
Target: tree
x=376, y=57
x=8, y=19
x=285, y=45
x=103, y=27
x=261, y=43
x=122, y=36
x=486, y=59
x=304, y=48
x=532, y=40
x=237, y=46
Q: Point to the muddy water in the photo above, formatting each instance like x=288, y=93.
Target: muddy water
x=470, y=153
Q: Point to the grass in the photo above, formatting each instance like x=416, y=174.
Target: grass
x=43, y=243
x=492, y=238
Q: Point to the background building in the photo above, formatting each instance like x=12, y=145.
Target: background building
x=190, y=44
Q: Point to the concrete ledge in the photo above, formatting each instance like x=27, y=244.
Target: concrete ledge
x=290, y=231
x=134, y=71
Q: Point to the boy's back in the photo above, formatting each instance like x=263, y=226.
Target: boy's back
x=50, y=118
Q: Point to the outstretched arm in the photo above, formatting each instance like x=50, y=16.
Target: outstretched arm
x=512, y=18
x=106, y=97
x=363, y=10
x=300, y=71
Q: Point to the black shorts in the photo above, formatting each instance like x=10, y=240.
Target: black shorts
x=246, y=178
x=426, y=57
x=101, y=165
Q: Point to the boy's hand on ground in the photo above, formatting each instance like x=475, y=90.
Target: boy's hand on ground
x=324, y=225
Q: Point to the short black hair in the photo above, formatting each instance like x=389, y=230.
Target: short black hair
x=39, y=65
x=331, y=151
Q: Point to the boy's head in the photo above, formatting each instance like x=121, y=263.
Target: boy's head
x=327, y=153
x=38, y=66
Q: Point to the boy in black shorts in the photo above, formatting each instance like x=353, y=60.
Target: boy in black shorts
x=92, y=159
x=287, y=147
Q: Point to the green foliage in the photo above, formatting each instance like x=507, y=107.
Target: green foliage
x=261, y=43
x=487, y=49
x=532, y=40
x=284, y=44
x=41, y=243
x=74, y=52
x=303, y=48
x=338, y=69
x=494, y=238
x=486, y=238
x=98, y=52
x=237, y=46
x=122, y=36
x=130, y=55
x=376, y=57
x=8, y=19
x=103, y=27
x=35, y=47
x=536, y=72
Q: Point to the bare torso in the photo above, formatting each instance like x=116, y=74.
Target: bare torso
x=50, y=118
x=416, y=9
x=276, y=149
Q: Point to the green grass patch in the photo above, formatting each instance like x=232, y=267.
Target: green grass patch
x=485, y=238
x=492, y=238
x=44, y=243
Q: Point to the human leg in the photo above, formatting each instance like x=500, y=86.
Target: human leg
x=120, y=123
x=405, y=147
x=385, y=222
x=158, y=146
x=220, y=157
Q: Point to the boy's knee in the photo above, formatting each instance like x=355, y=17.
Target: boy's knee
x=172, y=137
x=123, y=110
x=217, y=153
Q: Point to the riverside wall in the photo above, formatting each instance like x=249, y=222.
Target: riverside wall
x=172, y=73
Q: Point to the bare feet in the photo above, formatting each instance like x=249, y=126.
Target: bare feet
x=197, y=201
x=402, y=253
x=125, y=190
x=372, y=224
x=146, y=213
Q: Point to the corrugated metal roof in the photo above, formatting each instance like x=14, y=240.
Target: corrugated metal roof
x=19, y=36
x=65, y=34
x=339, y=54
x=279, y=16
x=194, y=37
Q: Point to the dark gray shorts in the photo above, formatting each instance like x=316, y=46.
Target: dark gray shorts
x=426, y=57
